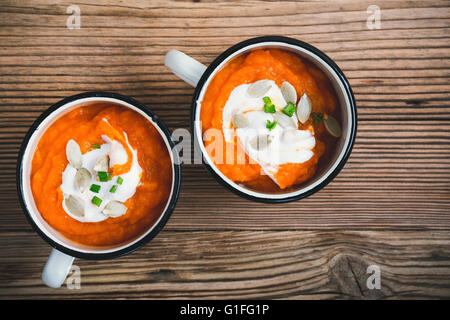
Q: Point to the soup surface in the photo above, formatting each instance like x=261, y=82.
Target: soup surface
x=117, y=207
x=230, y=107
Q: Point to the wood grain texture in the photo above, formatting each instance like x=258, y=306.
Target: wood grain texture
x=246, y=264
x=397, y=178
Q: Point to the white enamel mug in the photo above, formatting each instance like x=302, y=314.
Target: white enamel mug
x=62, y=256
x=199, y=76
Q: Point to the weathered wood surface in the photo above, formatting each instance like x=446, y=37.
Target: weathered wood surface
x=245, y=264
x=217, y=245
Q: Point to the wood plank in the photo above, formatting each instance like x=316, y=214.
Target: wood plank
x=390, y=205
x=244, y=265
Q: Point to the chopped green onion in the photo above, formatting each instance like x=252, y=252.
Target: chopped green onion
x=97, y=201
x=110, y=176
x=267, y=100
x=113, y=188
x=95, y=146
x=318, y=117
x=95, y=188
x=119, y=180
x=269, y=108
x=271, y=125
x=103, y=176
x=289, y=109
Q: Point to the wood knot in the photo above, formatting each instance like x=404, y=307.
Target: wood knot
x=162, y=275
x=348, y=274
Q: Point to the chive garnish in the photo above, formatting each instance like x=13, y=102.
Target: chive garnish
x=267, y=100
x=95, y=146
x=110, y=176
x=270, y=125
x=97, y=201
x=318, y=117
x=289, y=109
x=119, y=180
x=103, y=176
x=113, y=188
x=269, y=107
x=95, y=188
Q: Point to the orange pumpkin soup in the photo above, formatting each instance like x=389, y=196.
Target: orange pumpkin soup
x=230, y=104
x=141, y=176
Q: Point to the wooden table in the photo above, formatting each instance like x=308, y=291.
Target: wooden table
x=390, y=205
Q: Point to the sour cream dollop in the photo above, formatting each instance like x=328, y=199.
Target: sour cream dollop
x=123, y=192
x=287, y=144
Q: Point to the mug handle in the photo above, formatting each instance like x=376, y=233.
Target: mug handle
x=184, y=67
x=56, y=269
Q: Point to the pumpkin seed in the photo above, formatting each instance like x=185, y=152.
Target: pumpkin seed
x=260, y=142
x=284, y=120
x=75, y=205
x=73, y=154
x=82, y=179
x=239, y=120
x=332, y=126
x=288, y=92
x=115, y=209
x=102, y=164
x=304, y=108
x=259, y=88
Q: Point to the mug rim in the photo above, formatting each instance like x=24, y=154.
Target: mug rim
x=171, y=202
x=290, y=41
